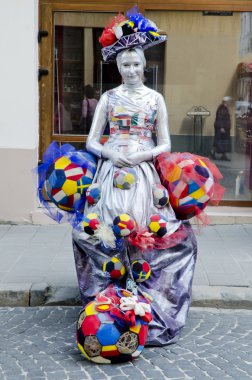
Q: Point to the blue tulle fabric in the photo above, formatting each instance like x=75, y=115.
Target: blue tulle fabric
x=83, y=159
x=140, y=22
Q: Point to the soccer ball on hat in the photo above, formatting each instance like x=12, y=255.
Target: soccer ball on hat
x=66, y=183
x=160, y=195
x=90, y=223
x=115, y=269
x=103, y=335
x=125, y=178
x=158, y=225
x=141, y=270
x=124, y=225
x=93, y=193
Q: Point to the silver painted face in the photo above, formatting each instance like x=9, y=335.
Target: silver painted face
x=131, y=68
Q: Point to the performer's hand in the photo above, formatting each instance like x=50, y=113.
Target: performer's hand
x=222, y=130
x=138, y=157
x=118, y=158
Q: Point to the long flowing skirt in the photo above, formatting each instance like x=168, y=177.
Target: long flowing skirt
x=170, y=282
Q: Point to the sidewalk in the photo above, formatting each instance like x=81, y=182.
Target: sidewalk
x=37, y=266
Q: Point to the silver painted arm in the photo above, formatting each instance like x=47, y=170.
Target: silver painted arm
x=99, y=122
x=162, y=129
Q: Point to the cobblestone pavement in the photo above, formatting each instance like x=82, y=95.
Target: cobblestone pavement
x=39, y=343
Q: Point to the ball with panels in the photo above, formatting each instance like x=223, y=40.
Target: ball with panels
x=191, y=192
x=93, y=193
x=90, y=222
x=103, y=333
x=66, y=183
x=160, y=195
x=124, y=225
x=158, y=225
x=114, y=268
x=125, y=178
x=141, y=270
x=189, y=181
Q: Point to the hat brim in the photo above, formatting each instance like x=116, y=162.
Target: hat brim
x=142, y=39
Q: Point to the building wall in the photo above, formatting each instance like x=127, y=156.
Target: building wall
x=19, y=109
x=202, y=55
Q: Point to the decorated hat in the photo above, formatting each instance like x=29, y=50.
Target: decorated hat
x=124, y=33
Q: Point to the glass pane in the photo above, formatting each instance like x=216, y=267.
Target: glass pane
x=209, y=58
x=77, y=84
x=80, y=75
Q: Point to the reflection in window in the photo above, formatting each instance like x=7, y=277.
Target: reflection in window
x=68, y=79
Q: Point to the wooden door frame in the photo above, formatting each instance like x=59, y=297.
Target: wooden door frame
x=46, y=13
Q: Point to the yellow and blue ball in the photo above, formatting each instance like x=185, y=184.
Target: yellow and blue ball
x=114, y=268
x=125, y=178
x=93, y=193
x=124, y=225
x=141, y=270
x=66, y=183
x=90, y=222
x=158, y=225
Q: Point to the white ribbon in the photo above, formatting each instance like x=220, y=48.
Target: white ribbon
x=131, y=303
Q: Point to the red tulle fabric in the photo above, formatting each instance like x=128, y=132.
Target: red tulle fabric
x=167, y=164
x=108, y=36
x=147, y=241
x=171, y=240
x=142, y=239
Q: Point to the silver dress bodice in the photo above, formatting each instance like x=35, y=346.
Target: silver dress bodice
x=134, y=114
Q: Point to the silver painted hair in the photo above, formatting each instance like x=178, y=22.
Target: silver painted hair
x=137, y=50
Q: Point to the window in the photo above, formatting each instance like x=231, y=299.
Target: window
x=205, y=59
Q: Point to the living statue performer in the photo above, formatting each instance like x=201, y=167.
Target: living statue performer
x=129, y=201
x=136, y=112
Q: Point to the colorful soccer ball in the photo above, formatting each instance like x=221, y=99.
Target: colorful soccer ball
x=90, y=223
x=189, y=182
x=114, y=268
x=160, y=195
x=93, y=193
x=141, y=270
x=66, y=183
x=124, y=225
x=125, y=178
x=103, y=333
x=158, y=225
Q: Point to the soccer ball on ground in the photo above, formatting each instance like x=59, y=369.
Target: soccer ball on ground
x=105, y=335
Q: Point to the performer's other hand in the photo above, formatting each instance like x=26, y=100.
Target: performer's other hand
x=138, y=157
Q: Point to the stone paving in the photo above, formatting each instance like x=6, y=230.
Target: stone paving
x=36, y=254
x=37, y=266
x=39, y=343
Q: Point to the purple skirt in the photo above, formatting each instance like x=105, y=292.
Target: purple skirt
x=169, y=285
